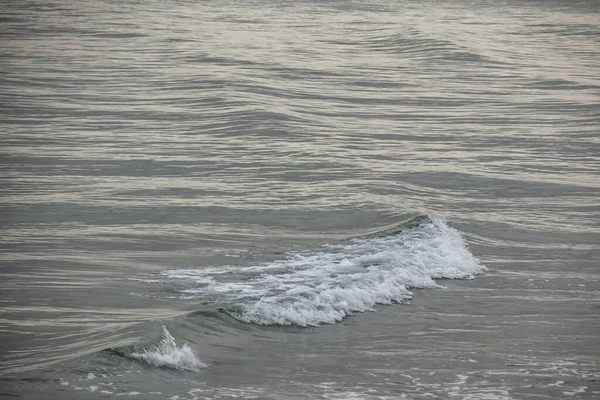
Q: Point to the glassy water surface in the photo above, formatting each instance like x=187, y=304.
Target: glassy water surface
x=210, y=199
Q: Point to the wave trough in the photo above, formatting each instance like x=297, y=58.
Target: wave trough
x=323, y=287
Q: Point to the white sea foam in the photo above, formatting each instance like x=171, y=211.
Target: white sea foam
x=327, y=285
x=165, y=353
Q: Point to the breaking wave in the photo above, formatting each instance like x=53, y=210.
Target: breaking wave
x=163, y=353
x=325, y=286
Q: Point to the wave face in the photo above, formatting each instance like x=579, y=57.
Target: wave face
x=323, y=287
x=163, y=353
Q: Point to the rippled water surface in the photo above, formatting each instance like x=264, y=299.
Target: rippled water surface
x=208, y=199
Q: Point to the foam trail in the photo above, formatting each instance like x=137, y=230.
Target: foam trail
x=164, y=353
x=308, y=289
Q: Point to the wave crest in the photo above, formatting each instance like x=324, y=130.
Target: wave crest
x=163, y=353
x=309, y=289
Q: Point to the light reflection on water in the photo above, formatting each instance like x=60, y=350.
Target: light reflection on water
x=138, y=137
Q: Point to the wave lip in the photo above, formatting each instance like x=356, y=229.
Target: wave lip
x=309, y=289
x=164, y=353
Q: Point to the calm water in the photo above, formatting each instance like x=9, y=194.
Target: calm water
x=207, y=200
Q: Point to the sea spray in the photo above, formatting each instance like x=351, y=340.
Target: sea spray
x=325, y=286
x=163, y=353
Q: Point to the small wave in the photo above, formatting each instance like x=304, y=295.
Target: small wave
x=309, y=289
x=163, y=353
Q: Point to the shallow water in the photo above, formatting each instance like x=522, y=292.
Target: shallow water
x=209, y=199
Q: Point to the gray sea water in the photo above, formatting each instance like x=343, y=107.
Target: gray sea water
x=386, y=199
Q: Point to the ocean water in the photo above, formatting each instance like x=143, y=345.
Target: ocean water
x=300, y=200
